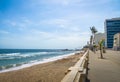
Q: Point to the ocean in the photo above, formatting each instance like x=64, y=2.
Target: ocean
x=14, y=59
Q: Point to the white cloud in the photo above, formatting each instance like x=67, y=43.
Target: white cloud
x=9, y=22
x=21, y=24
x=61, y=24
x=70, y=2
x=4, y=32
x=57, y=21
x=56, y=2
x=41, y=39
x=62, y=2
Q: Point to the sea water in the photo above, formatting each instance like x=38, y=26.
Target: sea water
x=14, y=59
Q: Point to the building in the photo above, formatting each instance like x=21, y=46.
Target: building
x=116, y=44
x=112, y=26
x=98, y=37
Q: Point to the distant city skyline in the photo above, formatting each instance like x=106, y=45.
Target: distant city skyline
x=52, y=24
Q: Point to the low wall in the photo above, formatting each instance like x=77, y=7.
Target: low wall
x=78, y=72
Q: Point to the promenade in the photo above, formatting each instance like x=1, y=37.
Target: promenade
x=104, y=70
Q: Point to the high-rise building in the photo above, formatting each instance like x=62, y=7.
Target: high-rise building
x=112, y=26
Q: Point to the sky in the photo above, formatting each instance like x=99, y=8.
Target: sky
x=52, y=24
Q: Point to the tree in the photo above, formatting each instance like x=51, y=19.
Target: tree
x=92, y=39
x=93, y=31
x=101, y=42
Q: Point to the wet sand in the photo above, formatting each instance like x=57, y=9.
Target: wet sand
x=47, y=72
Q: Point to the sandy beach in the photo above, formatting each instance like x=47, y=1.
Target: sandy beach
x=47, y=72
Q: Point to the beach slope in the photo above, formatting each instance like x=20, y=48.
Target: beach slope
x=47, y=72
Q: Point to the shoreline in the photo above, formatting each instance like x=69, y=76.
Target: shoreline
x=37, y=63
x=53, y=71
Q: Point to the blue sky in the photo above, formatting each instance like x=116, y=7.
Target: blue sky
x=52, y=23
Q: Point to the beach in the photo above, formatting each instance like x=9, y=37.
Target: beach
x=47, y=72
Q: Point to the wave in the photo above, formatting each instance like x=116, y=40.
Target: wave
x=10, y=54
x=9, y=66
x=20, y=55
x=31, y=63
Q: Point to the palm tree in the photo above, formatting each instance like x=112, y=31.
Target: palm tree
x=91, y=38
x=101, y=42
x=93, y=30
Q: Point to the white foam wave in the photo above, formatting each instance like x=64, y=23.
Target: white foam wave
x=10, y=54
x=13, y=54
x=20, y=55
x=31, y=63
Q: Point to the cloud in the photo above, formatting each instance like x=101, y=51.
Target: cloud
x=62, y=2
x=4, y=32
x=61, y=24
x=40, y=39
x=9, y=22
x=56, y=2
x=55, y=23
x=20, y=24
x=71, y=2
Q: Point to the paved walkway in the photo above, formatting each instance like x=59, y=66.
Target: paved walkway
x=104, y=70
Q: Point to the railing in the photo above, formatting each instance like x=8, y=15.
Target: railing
x=78, y=72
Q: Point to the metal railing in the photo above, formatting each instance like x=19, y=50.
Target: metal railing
x=78, y=72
